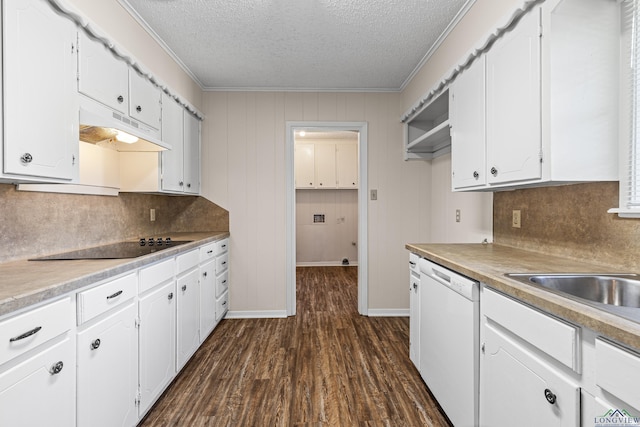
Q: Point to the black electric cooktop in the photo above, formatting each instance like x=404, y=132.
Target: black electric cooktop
x=116, y=250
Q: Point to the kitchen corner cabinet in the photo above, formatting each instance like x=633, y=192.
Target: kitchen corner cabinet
x=548, y=120
x=40, y=109
x=326, y=165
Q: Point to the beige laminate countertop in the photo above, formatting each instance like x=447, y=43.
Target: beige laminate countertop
x=24, y=283
x=488, y=263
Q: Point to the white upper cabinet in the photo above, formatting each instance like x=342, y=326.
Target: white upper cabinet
x=347, y=165
x=325, y=159
x=144, y=100
x=551, y=90
x=101, y=75
x=191, y=153
x=40, y=108
x=513, y=103
x=468, y=136
x=172, y=133
x=305, y=165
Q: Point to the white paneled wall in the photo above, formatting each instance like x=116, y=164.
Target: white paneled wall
x=243, y=149
x=329, y=242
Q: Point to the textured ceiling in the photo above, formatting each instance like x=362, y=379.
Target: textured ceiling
x=298, y=44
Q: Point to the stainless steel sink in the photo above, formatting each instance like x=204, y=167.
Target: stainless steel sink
x=616, y=293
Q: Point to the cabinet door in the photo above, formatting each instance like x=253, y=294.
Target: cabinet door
x=172, y=133
x=191, y=153
x=40, y=94
x=325, y=156
x=467, y=117
x=515, y=388
x=108, y=371
x=101, y=75
x=157, y=338
x=305, y=166
x=188, y=316
x=347, y=165
x=414, y=319
x=144, y=100
x=513, y=104
x=207, y=298
x=31, y=394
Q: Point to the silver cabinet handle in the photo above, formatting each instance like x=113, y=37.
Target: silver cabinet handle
x=550, y=396
x=184, y=288
x=181, y=183
x=412, y=264
x=117, y=294
x=210, y=252
x=494, y=171
x=224, y=303
x=26, y=158
x=120, y=99
x=188, y=185
x=224, y=263
x=476, y=175
x=204, y=274
x=56, y=368
x=224, y=246
x=224, y=282
x=26, y=334
x=170, y=296
x=95, y=344
x=139, y=109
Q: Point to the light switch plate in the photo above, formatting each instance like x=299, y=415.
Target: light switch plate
x=374, y=194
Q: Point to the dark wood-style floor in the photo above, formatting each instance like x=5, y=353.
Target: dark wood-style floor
x=327, y=366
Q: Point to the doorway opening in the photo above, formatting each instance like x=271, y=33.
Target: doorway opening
x=348, y=227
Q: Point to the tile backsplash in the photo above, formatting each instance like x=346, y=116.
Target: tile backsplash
x=42, y=223
x=570, y=220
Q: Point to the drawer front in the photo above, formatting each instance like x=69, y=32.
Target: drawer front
x=208, y=252
x=413, y=262
x=222, y=305
x=156, y=274
x=21, y=333
x=100, y=299
x=618, y=372
x=552, y=336
x=188, y=261
x=222, y=246
x=222, y=283
x=222, y=263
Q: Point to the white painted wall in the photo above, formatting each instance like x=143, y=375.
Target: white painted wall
x=329, y=242
x=243, y=171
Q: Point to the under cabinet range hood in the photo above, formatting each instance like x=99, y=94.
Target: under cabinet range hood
x=103, y=126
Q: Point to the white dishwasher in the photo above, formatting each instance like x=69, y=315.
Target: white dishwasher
x=449, y=341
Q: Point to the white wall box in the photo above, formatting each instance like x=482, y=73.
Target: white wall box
x=39, y=362
x=427, y=134
x=33, y=35
x=551, y=100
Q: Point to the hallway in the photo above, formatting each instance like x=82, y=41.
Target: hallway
x=326, y=366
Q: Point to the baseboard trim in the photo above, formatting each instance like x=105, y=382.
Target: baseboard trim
x=388, y=312
x=269, y=314
x=326, y=264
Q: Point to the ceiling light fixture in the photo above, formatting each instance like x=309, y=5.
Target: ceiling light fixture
x=302, y=133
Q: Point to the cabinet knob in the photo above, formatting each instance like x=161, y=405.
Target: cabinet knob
x=139, y=109
x=184, y=288
x=56, y=368
x=494, y=171
x=120, y=99
x=311, y=183
x=548, y=394
x=204, y=274
x=188, y=185
x=26, y=158
x=181, y=183
x=95, y=344
x=415, y=286
x=170, y=296
x=476, y=175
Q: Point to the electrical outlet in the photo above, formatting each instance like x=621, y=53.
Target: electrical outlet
x=152, y=214
x=457, y=215
x=516, y=219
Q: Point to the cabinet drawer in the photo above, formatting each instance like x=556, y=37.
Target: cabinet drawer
x=552, y=336
x=21, y=333
x=222, y=283
x=187, y=261
x=208, y=252
x=413, y=262
x=222, y=262
x=618, y=372
x=222, y=246
x=156, y=274
x=222, y=305
x=100, y=299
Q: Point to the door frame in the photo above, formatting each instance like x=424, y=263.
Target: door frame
x=363, y=191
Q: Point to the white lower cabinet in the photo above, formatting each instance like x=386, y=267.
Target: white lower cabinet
x=414, y=310
x=157, y=342
x=107, y=352
x=188, y=307
x=207, y=298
